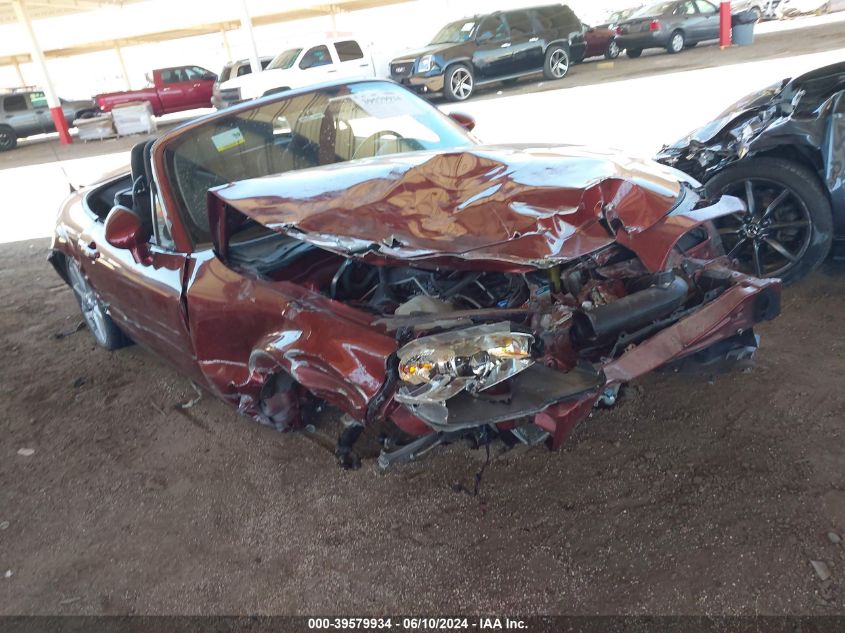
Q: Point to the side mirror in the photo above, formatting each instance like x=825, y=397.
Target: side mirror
x=124, y=230
x=464, y=120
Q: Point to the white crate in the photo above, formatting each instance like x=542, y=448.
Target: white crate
x=133, y=118
x=94, y=129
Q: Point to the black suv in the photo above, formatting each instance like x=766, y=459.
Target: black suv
x=500, y=46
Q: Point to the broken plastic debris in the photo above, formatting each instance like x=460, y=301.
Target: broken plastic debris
x=8, y=573
x=26, y=452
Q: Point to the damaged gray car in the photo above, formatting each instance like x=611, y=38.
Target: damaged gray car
x=782, y=150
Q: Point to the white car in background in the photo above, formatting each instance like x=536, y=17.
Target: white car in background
x=301, y=65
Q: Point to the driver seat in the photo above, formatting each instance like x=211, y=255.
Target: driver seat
x=142, y=203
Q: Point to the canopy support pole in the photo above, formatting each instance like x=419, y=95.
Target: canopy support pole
x=246, y=25
x=53, y=102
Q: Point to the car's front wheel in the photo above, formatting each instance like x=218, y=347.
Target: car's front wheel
x=787, y=229
x=556, y=65
x=633, y=53
x=104, y=329
x=676, y=44
x=459, y=83
x=612, y=50
x=8, y=138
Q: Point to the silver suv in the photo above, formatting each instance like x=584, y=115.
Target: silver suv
x=24, y=112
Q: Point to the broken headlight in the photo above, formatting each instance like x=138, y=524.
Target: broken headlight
x=435, y=368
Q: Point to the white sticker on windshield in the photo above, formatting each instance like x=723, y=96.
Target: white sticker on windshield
x=228, y=139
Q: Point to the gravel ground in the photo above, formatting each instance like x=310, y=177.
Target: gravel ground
x=691, y=496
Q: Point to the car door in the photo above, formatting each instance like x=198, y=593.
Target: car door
x=318, y=64
x=173, y=89
x=493, y=56
x=351, y=60
x=38, y=104
x=200, y=86
x=143, y=298
x=20, y=115
x=709, y=19
x=526, y=47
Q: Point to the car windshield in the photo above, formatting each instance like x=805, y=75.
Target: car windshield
x=658, y=8
x=321, y=127
x=285, y=59
x=455, y=33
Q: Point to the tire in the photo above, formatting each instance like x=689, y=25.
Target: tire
x=796, y=218
x=612, y=51
x=459, y=83
x=100, y=324
x=676, y=44
x=8, y=138
x=557, y=62
x=633, y=53
x=758, y=14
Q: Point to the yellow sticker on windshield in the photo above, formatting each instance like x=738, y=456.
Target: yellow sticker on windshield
x=228, y=139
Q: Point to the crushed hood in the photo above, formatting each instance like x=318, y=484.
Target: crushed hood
x=535, y=205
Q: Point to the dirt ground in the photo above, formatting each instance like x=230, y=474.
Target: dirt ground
x=691, y=496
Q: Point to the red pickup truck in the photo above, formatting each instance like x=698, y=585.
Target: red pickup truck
x=173, y=90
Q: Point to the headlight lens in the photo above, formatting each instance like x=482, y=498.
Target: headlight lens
x=435, y=368
x=425, y=64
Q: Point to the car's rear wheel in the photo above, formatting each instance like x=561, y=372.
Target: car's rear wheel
x=633, y=53
x=104, y=329
x=676, y=44
x=612, y=50
x=787, y=229
x=556, y=65
x=459, y=83
x=758, y=14
x=8, y=138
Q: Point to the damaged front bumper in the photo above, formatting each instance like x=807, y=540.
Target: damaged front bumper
x=555, y=401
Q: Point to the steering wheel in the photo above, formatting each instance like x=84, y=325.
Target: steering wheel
x=374, y=140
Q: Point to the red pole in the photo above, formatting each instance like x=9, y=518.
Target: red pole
x=60, y=122
x=725, y=24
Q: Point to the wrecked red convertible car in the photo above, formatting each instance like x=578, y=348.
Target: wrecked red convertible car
x=350, y=244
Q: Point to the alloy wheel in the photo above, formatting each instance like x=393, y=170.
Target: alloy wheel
x=559, y=63
x=92, y=310
x=461, y=84
x=613, y=50
x=677, y=42
x=773, y=234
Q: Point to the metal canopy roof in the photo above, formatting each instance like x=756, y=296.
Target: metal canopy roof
x=56, y=8
x=39, y=9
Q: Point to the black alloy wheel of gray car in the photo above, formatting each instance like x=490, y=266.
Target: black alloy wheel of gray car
x=787, y=229
x=633, y=53
x=676, y=44
x=8, y=138
x=612, y=50
x=459, y=83
x=556, y=65
x=104, y=329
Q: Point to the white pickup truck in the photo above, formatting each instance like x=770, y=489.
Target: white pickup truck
x=298, y=66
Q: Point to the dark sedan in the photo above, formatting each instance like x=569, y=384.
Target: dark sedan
x=333, y=246
x=672, y=25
